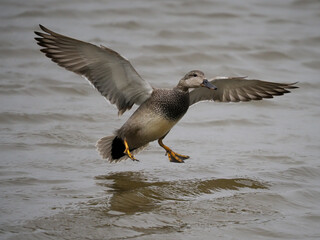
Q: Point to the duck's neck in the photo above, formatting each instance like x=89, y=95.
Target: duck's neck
x=181, y=88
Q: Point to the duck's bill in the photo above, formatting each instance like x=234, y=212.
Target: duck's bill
x=208, y=84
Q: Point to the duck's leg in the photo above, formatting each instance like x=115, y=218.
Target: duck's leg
x=127, y=151
x=173, y=156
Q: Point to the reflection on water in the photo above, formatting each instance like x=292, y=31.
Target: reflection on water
x=132, y=206
x=132, y=192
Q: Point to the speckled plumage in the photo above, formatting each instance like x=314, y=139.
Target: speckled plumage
x=170, y=103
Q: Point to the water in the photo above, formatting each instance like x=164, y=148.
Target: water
x=254, y=170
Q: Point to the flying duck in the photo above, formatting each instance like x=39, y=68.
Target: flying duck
x=159, y=109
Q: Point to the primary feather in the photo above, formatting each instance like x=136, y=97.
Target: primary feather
x=111, y=74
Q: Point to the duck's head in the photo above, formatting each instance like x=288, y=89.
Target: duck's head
x=195, y=79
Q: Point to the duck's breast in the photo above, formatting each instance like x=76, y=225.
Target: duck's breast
x=155, y=118
x=172, y=104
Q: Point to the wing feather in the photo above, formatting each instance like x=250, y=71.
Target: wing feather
x=111, y=74
x=236, y=89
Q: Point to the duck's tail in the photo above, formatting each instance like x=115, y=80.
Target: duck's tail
x=112, y=148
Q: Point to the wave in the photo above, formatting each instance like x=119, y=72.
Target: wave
x=35, y=118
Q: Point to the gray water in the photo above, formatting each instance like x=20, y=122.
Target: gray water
x=254, y=170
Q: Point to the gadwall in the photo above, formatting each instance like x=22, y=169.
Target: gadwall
x=160, y=109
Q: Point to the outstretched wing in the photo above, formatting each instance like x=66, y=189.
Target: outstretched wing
x=236, y=89
x=111, y=74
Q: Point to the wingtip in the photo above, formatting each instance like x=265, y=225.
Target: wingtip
x=38, y=33
x=291, y=85
x=42, y=27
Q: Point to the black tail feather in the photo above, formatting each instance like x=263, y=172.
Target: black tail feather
x=112, y=148
x=117, y=149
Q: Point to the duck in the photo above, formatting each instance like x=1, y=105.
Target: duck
x=159, y=109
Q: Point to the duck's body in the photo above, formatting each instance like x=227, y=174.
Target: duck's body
x=155, y=117
x=160, y=109
x=151, y=121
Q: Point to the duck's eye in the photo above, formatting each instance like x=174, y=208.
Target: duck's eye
x=194, y=75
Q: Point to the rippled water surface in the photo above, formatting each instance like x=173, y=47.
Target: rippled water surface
x=254, y=171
